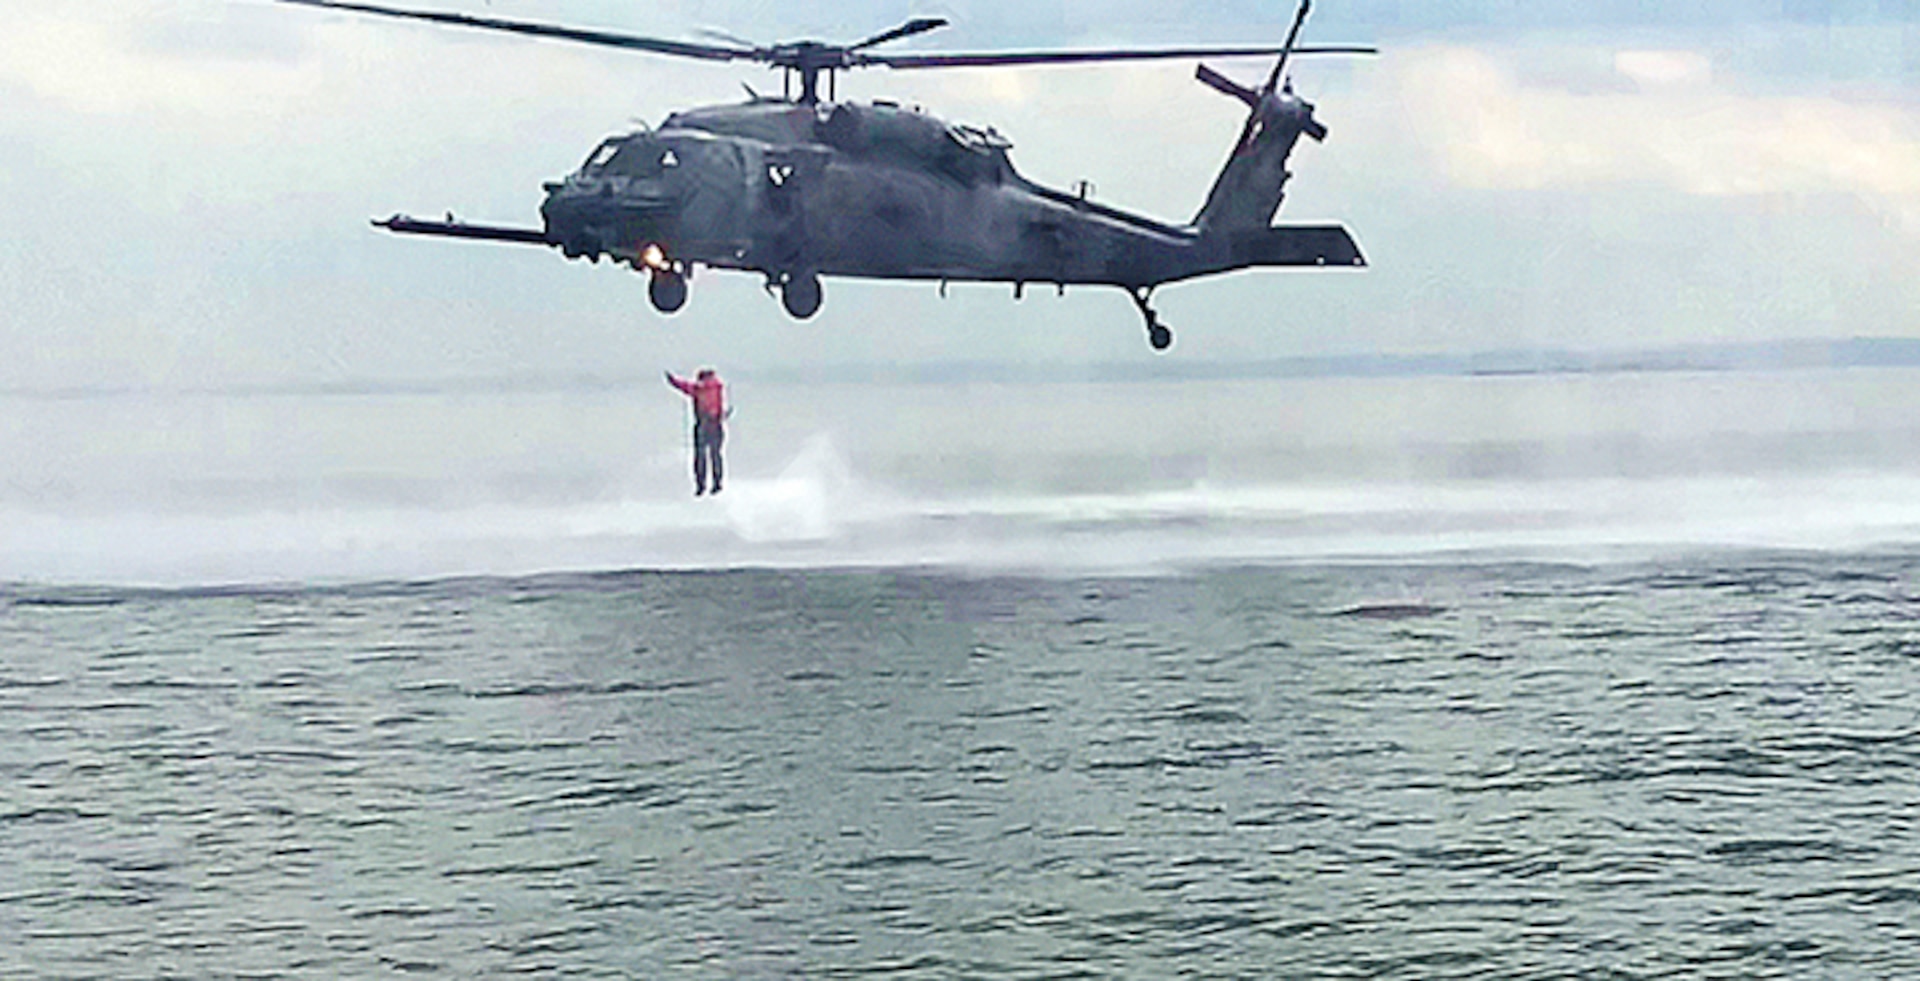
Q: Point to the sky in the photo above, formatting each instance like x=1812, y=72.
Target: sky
x=185, y=185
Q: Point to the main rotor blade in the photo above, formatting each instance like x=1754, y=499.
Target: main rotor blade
x=910, y=28
x=1280, y=67
x=606, y=39
x=719, y=35
x=987, y=59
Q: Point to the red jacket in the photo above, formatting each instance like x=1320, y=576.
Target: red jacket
x=709, y=395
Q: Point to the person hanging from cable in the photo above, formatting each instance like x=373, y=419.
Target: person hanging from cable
x=710, y=414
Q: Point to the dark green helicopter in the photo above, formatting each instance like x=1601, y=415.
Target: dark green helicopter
x=796, y=188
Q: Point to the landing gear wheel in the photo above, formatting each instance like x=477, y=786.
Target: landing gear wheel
x=667, y=290
x=801, y=296
x=1157, y=333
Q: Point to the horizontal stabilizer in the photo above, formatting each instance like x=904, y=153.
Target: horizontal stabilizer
x=1298, y=245
x=405, y=225
x=1227, y=86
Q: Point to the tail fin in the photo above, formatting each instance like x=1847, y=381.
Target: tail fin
x=1249, y=190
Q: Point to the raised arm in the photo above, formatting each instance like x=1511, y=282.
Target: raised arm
x=685, y=386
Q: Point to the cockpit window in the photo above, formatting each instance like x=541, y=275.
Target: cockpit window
x=602, y=154
x=630, y=157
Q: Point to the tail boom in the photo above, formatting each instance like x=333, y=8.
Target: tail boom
x=1296, y=245
x=1279, y=247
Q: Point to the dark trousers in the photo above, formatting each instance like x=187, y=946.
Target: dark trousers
x=708, y=435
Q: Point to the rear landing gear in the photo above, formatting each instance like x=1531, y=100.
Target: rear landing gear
x=1158, y=334
x=801, y=295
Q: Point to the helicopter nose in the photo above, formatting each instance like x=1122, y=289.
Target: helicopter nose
x=590, y=216
x=565, y=196
x=566, y=222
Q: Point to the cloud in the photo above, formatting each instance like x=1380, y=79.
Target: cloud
x=1679, y=129
x=127, y=57
x=1655, y=69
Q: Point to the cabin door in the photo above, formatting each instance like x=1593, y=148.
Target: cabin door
x=785, y=177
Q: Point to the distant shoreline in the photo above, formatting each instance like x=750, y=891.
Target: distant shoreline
x=1792, y=355
x=1764, y=356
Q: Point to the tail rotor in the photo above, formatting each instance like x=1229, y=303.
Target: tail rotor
x=1249, y=190
x=1293, y=37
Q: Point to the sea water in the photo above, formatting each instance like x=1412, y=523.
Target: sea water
x=1462, y=677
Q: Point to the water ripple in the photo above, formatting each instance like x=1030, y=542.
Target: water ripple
x=1677, y=770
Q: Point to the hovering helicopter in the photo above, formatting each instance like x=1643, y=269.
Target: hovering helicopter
x=796, y=188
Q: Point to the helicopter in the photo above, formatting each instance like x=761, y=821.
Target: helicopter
x=796, y=188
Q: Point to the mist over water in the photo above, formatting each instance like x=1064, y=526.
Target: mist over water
x=1069, y=476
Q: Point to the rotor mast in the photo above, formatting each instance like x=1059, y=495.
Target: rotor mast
x=809, y=60
x=812, y=58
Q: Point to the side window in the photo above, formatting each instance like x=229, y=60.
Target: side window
x=781, y=166
x=640, y=158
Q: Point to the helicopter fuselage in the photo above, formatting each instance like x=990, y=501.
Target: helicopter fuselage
x=797, y=188
x=870, y=191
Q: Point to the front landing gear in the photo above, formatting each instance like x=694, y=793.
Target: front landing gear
x=668, y=290
x=1158, y=333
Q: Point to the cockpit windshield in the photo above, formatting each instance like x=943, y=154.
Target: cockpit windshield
x=601, y=154
x=630, y=156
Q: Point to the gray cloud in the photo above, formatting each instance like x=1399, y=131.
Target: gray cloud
x=236, y=31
